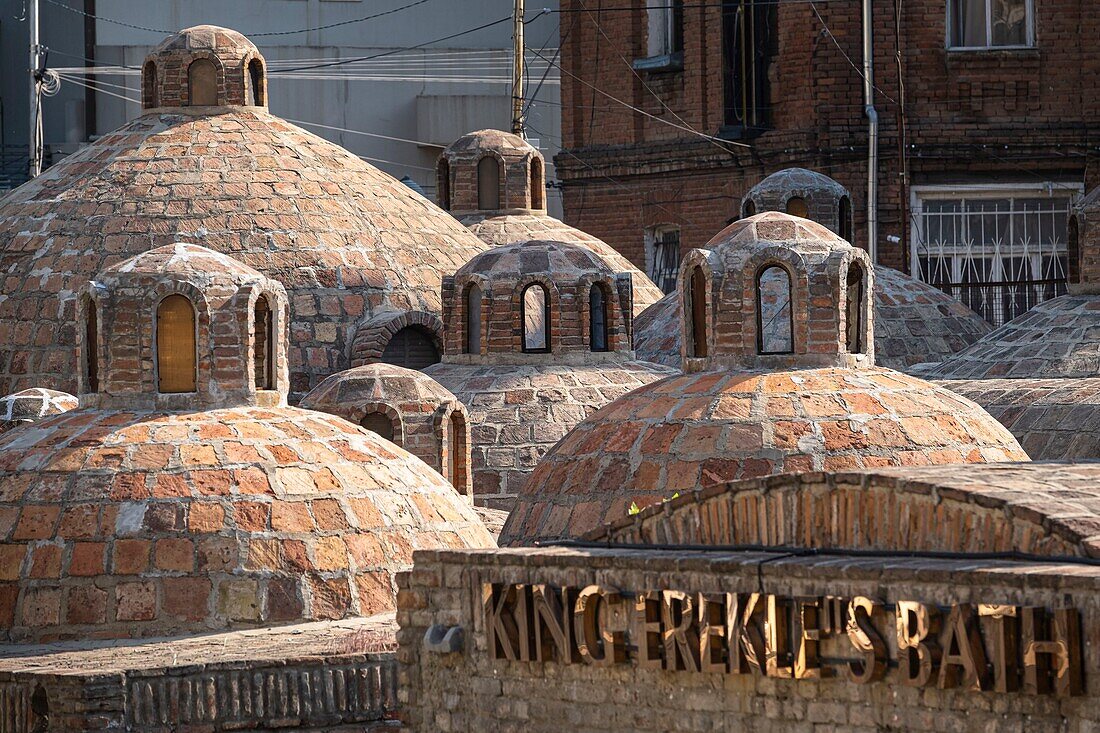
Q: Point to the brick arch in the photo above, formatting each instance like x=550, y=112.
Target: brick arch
x=554, y=320
x=712, y=267
x=744, y=290
x=970, y=509
x=361, y=410
x=219, y=69
x=443, y=414
x=372, y=336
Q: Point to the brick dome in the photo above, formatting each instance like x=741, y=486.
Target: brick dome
x=915, y=323
x=782, y=378
x=357, y=250
x=230, y=66
x=407, y=407
x=537, y=339
x=30, y=405
x=522, y=214
x=804, y=193
x=183, y=495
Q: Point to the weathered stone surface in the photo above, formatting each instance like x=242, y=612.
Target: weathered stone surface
x=29, y=405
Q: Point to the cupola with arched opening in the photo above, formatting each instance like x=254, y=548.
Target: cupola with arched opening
x=806, y=194
x=204, y=66
x=179, y=327
x=776, y=292
x=536, y=301
x=490, y=172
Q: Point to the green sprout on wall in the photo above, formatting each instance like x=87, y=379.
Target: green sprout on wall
x=635, y=509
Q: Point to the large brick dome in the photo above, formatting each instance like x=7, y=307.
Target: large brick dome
x=357, y=250
x=781, y=378
x=519, y=213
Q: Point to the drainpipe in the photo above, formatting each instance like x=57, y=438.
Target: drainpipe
x=872, y=134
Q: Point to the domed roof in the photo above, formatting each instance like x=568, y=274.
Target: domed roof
x=564, y=260
x=1056, y=338
x=794, y=181
x=378, y=383
x=33, y=404
x=479, y=141
x=513, y=228
x=698, y=430
x=127, y=524
x=914, y=323
x=350, y=243
x=1054, y=419
x=519, y=411
x=225, y=41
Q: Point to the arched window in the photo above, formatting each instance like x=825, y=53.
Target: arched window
x=797, y=206
x=488, y=183
x=774, y=327
x=256, y=79
x=749, y=209
x=412, y=347
x=597, y=318
x=473, y=319
x=263, y=337
x=538, y=184
x=456, y=465
x=202, y=83
x=696, y=308
x=91, y=346
x=845, y=219
x=149, y=86
x=1073, y=250
x=535, y=314
x=854, y=318
x=378, y=422
x=176, y=357
x=443, y=182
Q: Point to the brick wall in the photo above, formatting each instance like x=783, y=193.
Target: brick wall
x=1000, y=115
x=466, y=691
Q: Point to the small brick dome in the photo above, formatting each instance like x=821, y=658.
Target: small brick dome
x=803, y=193
x=406, y=407
x=30, y=405
x=758, y=399
x=184, y=495
x=204, y=66
x=352, y=245
x=537, y=339
x=514, y=220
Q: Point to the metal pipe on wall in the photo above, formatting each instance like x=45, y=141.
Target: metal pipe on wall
x=872, y=133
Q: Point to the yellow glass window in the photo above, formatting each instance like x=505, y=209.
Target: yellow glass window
x=176, y=355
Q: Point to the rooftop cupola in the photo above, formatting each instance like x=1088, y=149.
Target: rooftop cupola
x=204, y=66
x=490, y=172
x=776, y=292
x=182, y=327
x=805, y=193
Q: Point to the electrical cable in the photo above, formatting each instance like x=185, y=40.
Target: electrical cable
x=340, y=23
x=847, y=58
x=367, y=134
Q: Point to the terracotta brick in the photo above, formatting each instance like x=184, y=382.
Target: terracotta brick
x=205, y=516
x=131, y=557
x=135, y=601
x=36, y=522
x=87, y=558
x=86, y=604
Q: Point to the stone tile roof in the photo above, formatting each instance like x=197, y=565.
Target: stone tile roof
x=1056, y=338
x=703, y=429
x=33, y=404
x=512, y=228
x=348, y=241
x=519, y=411
x=1048, y=509
x=914, y=323
x=116, y=524
x=1054, y=419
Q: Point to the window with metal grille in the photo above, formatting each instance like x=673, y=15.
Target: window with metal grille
x=662, y=255
x=749, y=45
x=1000, y=249
x=412, y=348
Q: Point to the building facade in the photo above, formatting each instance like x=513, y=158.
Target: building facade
x=985, y=132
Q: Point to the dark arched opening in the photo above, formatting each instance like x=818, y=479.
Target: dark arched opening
x=855, y=323
x=443, y=184
x=774, y=324
x=797, y=206
x=256, y=79
x=202, y=83
x=597, y=318
x=91, y=347
x=263, y=338
x=457, y=441
x=176, y=345
x=473, y=319
x=535, y=316
x=380, y=423
x=412, y=347
x=488, y=183
x=748, y=209
x=538, y=185
x=697, y=312
x=1073, y=250
x=149, y=85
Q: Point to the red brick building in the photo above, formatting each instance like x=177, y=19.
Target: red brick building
x=998, y=103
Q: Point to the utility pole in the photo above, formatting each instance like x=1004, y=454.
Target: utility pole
x=517, y=68
x=35, y=137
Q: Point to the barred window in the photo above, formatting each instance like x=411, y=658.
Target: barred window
x=662, y=255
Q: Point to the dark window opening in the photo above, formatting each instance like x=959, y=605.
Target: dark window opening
x=697, y=312
x=749, y=209
x=535, y=315
x=597, y=318
x=797, y=206
x=380, y=423
x=202, y=83
x=1073, y=250
x=411, y=347
x=473, y=319
x=855, y=323
x=488, y=183
x=256, y=77
x=664, y=257
x=176, y=352
x=774, y=324
x=456, y=451
x=263, y=345
x=749, y=45
x=845, y=222
x=149, y=86
x=91, y=348
x=538, y=185
x=443, y=181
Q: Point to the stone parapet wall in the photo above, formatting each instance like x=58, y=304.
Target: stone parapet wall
x=468, y=691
